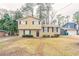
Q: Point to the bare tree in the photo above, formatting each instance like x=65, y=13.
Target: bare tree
x=67, y=19
x=76, y=17
x=60, y=19
x=28, y=7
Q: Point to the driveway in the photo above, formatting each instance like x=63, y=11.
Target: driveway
x=3, y=39
x=74, y=37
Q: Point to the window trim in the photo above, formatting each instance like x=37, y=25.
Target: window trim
x=43, y=29
x=52, y=29
x=39, y=22
x=23, y=32
x=56, y=29
x=19, y=22
x=47, y=29
x=26, y=22
x=33, y=22
x=29, y=32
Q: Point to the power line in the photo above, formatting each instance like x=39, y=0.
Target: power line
x=63, y=7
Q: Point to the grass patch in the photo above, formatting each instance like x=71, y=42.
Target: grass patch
x=43, y=46
x=1, y=45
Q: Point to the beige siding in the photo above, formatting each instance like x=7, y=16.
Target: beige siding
x=33, y=32
x=50, y=32
x=29, y=24
x=41, y=33
x=35, y=27
x=20, y=32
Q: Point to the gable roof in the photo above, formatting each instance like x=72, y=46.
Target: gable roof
x=28, y=17
x=70, y=25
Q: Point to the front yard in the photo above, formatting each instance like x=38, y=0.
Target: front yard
x=62, y=46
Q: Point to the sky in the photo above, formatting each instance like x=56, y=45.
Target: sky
x=11, y=6
x=61, y=8
x=67, y=9
x=14, y=6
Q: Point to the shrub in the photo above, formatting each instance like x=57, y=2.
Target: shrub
x=55, y=35
x=46, y=35
x=52, y=36
x=27, y=35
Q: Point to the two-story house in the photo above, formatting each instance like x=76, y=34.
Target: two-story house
x=32, y=26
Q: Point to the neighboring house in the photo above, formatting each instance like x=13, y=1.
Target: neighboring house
x=32, y=26
x=3, y=33
x=69, y=28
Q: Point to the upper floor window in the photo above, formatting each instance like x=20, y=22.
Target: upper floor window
x=32, y=22
x=68, y=26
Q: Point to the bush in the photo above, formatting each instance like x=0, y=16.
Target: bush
x=52, y=36
x=27, y=36
x=55, y=35
x=46, y=35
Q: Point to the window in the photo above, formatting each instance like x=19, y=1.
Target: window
x=56, y=29
x=27, y=32
x=43, y=29
x=52, y=29
x=32, y=22
x=19, y=22
x=23, y=32
x=69, y=26
x=48, y=29
x=39, y=22
x=26, y=22
x=75, y=26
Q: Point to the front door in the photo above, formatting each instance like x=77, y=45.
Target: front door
x=37, y=34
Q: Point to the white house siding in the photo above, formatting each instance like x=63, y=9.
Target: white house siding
x=71, y=32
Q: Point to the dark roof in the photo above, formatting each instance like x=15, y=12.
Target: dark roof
x=70, y=25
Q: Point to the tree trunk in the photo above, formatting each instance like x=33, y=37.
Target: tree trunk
x=32, y=13
x=59, y=22
x=40, y=14
x=47, y=20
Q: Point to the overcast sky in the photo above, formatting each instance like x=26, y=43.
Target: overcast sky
x=63, y=8
x=14, y=6
x=10, y=6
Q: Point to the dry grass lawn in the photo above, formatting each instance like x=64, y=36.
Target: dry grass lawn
x=62, y=46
